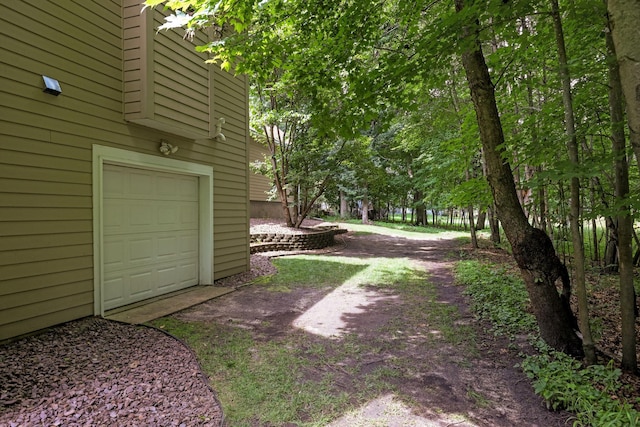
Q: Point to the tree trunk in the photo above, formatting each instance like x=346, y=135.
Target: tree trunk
x=365, y=208
x=542, y=206
x=610, y=259
x=494, y=225
x=594, y=232
x=282, y=192
x=481, y=220
x=636, y=256
x=532, y=249
x=625, y=219
x=472, y=225
x=574, y=216
x=343, y=205
x=624, y=16
x=421, y=211
x=611, y=246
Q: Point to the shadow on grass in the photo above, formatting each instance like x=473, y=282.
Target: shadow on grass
x=296, y=271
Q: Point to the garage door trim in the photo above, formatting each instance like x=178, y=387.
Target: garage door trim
x=102, y=155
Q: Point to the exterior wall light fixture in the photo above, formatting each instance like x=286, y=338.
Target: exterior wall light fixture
x=219, y=135
x=166, y=148
x=51, y=86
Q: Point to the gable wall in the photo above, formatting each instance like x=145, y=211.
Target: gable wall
x=260, y=184
x=46, y=255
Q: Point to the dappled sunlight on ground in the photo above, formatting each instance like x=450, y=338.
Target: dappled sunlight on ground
x=334, y=314
x=328, y=317
x=389, y=411
x=412, y=235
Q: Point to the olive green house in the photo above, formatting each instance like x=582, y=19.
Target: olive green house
x=262, y=205
x=123, y=162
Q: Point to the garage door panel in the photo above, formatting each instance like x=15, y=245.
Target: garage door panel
x=139, y=183
x=189, y=273
x=140, y=216
x=167, y=247
x=168, y=215
x=113, y=217
x=168, y=187
x=126, y=251
x=141, y=251
x=167, y=277
x=151, y=234
x=189, y=216
x=187, y=191
x=114, y=254
x=114, y=182
x=141, y=284
x=114, y=291
x=189, y=246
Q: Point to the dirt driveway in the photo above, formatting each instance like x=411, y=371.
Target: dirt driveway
x=440, y=384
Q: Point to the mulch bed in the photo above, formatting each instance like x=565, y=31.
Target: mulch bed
x=98, y=372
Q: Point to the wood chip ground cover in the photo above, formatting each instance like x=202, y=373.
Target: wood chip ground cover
x=96, y=372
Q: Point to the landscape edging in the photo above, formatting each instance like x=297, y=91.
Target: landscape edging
x=266, y=242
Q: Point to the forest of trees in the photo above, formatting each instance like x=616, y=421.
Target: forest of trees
x=526, y=112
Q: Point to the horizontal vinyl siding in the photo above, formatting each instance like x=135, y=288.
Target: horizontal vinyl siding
x=260, y=185
x=181, y=85
x=32, y=256
x=46, y=228
x=132, y=54
x=232, y=176
x=53, y=240
x=55, y=214
x=44, y=314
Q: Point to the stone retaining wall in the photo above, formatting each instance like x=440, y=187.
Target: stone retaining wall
x=265, y=242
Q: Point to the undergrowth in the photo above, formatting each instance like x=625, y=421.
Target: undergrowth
x=590, y=393
x=497, y=297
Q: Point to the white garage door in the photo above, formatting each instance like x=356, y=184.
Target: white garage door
x=150, y=234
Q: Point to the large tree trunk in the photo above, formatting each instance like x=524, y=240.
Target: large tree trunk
x=494, y=224
x=574, y=216
x=624, y=18
x=532, y=249
x=625, y=220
